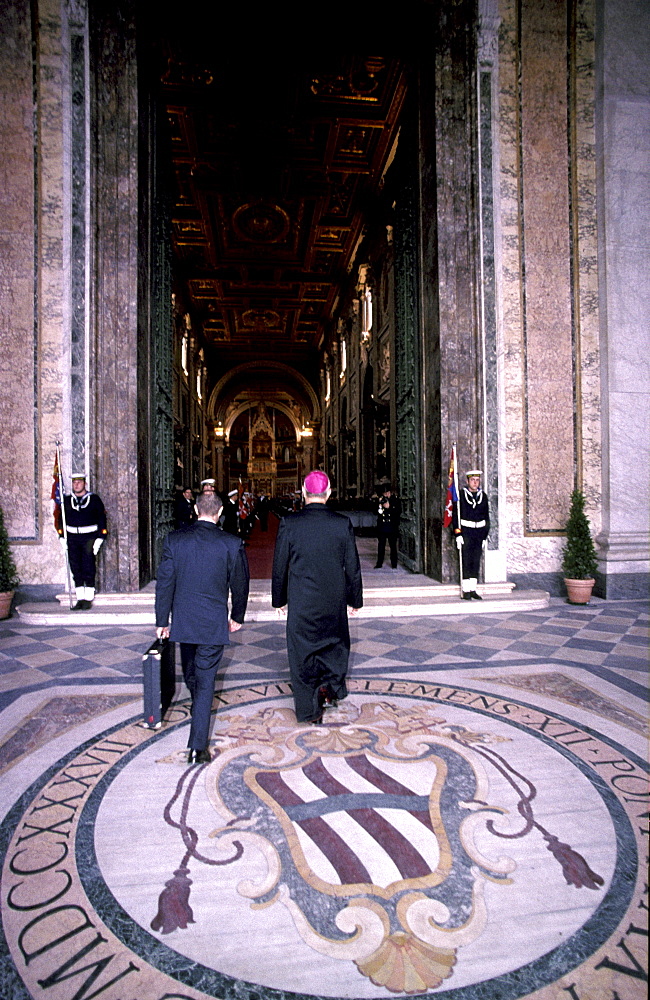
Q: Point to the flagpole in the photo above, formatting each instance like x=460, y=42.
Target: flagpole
x=64, y=525
x=459, y=548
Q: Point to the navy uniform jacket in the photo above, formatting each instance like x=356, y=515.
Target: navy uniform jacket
x=388, y=518
x=85, y=512
x=474, y=514
x=200, y=564
x=316, y=571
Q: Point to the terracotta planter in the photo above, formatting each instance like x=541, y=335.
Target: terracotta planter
x=579, y=591
x=6, y=597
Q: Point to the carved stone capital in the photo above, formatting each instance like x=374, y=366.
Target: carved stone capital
x=488, y=40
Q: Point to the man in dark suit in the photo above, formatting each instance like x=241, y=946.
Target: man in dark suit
x=184, y=512
x=200, y=564
x=316, y=573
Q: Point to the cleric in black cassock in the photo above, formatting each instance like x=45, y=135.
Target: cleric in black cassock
x=316, y=573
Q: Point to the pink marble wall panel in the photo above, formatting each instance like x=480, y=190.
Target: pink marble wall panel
x=549, y=378
x=17, y=374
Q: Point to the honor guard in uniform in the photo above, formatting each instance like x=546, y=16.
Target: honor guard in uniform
x=388, y=515
x=230, y=516
x=85, y=527
x=472, y=531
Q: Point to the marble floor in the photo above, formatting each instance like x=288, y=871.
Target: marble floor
x=471, y=822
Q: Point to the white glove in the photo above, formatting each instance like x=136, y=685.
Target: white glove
x=97, y=544
x=459, y=542
x=63, y=543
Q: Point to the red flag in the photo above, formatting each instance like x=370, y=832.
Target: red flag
x=55, y=495
x=452, y=490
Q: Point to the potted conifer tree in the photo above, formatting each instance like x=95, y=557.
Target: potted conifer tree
x=8, y=573
x=579, y=560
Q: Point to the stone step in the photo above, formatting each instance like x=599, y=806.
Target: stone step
x=379, y=602
x=261, y=590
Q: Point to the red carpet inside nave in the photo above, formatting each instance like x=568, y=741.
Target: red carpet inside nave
x=260, y=549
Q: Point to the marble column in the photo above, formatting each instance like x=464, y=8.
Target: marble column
x=114, y=365
x=18, y=253
x=623, y=166
x=489, y=285
x=219, y=464
x=452, y=350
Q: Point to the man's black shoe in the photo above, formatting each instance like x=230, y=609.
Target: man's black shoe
x=198, y=757
x=325, y=698
x=475, y=596
x=467, y=596
x=378, y=566
x=79, y=606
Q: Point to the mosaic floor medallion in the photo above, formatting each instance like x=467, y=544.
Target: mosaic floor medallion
x=426, y=840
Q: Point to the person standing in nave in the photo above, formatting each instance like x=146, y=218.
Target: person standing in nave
x=471, y=531
x=317, y=576
x=388, y=516
x=262, y=512
x=229, y=515
x=85, y=531
x=184, y=509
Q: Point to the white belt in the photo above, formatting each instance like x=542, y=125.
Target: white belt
x=85, y=530
x=472, y=524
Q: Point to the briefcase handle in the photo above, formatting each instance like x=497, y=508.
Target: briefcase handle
x=156, y=648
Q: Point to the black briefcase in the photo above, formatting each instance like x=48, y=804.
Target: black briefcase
x=159, y=677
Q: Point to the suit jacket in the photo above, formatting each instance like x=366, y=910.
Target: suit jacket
x=200, y=564
x=316, y=571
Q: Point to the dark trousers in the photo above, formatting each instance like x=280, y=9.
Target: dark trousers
x=311, y=670
x=472, y=549
x=200, y=664
x=82, y=559
x=381, y=548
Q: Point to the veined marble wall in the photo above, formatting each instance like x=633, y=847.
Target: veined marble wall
x=547, y=259
x=34, y=386
x=19, y=451
x=623, y=163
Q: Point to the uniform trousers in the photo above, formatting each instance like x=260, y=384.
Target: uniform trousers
x=382, y=537
x=200, y=663
x=472, y=549
x=82, y=559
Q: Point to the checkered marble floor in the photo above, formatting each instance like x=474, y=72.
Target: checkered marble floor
x=606, y=641
x=537, y=702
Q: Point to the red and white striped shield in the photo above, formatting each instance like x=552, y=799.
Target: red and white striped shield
x=361, y=822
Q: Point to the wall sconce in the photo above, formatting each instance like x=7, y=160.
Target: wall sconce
x=306, y=431
x=219, y=431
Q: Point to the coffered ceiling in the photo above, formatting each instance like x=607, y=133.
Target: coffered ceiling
x=277, y=161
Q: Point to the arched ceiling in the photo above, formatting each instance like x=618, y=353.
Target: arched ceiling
x=277, y=161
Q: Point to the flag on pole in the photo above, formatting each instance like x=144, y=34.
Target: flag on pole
x=452, y=489
x=56, y=494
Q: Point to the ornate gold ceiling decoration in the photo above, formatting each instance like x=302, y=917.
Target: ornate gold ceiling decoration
x=359, y=83
x=273, y=172
x=261, y=223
